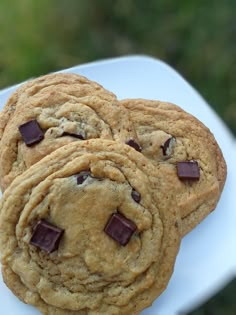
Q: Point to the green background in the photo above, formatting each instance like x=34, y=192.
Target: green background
x=196, y=37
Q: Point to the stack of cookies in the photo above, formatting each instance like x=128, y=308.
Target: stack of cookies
x=98, y=194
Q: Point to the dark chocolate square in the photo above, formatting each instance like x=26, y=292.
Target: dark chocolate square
x=120, y=229
x=188, y=170
x=31, y=132
x=46, y=236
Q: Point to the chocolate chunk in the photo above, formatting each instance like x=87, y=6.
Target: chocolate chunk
x=120, y=229
x=188, y=170
x=82, y=176
x=46, y=236
x=168, y=146
x=136, y=196
x=31, y=132
x=75, y=135
x=134, y=145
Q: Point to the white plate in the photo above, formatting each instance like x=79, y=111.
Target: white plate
x=207, y=258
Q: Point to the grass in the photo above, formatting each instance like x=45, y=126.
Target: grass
x=198, y=38
x=222, y=304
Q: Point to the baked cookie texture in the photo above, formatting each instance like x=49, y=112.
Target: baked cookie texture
x=168, y=135
x=67, y=107
x=97, y=195
x=77, y=188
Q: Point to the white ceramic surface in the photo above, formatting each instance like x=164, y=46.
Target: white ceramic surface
x=207, y=258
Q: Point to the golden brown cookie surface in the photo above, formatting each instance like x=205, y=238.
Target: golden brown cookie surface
x=51, y=111
x=177, y=141
x=109, y=241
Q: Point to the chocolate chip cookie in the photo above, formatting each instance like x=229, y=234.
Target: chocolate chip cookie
x=51, y=111
x=176, y=141
x=89, y=230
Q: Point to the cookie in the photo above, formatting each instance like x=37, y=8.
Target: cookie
x=84, y=231
x=176, y=141
x=51, y=111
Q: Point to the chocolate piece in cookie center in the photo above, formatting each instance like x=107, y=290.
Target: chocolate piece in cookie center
x=82, y=176
x=31, y=132
x=136, y=196
x=134, y=145
x=167, y=147
x=120, y=228
x=78, y=136
x=46, y=236
x=188, y=170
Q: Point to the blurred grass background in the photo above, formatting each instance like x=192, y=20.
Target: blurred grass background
x=198, y=38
